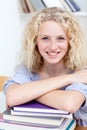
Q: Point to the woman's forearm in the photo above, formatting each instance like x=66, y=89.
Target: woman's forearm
x=64, y=100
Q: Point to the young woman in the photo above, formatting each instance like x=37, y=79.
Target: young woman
x=53, y=64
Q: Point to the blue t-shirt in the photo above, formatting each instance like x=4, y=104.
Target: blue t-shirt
x=22, y=75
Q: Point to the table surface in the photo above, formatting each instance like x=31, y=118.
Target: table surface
x=80, y=128
x=77, y=127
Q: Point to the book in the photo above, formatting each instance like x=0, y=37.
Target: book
x=73, y=5
x=39, y=114
x=20, y=7
x=34, y=106
x=68, y=124
x=53, y=3
x=65, y=5
x=37, y=4
x=53, y=121
x=13, y=126
x=29, y=4
x=24, y=6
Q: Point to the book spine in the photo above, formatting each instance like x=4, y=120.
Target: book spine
x=30, y=5
x=53, y=3
x=66, y=7
x=24, y=6
x=44, y=3
x=37, y=4
x=75, y=5
x=20, y=7
x=72, y=5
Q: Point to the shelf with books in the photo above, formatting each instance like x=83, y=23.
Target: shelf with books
x=29, y=6
x=34, y=5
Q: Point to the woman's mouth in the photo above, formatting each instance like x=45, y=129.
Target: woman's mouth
x=52, y=53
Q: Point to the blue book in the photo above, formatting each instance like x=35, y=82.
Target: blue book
x=73, y=5
x=37, y=4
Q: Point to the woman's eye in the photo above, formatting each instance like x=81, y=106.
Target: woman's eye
x=61, y=38
x=45, y=38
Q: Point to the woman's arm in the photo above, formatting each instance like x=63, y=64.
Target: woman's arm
x=65, y=100
x=21, y=93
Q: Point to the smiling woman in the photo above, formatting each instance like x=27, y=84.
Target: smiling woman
x=52, y=55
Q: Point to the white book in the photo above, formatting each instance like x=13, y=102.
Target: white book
x=65, y=5
x=68, y=124
x=39, y=114
x=53, y=3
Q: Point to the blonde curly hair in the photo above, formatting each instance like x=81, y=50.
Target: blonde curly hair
x=76, y=55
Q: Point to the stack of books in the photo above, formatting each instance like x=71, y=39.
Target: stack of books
x=35, y=116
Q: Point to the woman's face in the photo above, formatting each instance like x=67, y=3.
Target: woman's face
x=52, y=42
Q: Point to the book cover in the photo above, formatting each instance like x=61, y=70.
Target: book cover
x=34, y=106
x=53, y=121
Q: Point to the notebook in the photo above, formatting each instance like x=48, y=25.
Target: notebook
x=34, y=106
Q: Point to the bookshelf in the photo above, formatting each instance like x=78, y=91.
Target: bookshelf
x=30, y=6
x=81, y=15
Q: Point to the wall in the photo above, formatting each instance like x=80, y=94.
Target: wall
x=9, y=36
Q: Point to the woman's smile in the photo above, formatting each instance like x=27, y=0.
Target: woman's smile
x=52, y=54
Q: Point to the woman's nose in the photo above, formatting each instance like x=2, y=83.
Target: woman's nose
x=53, y=45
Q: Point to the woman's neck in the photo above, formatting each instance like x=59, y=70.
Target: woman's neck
x=49, y=71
